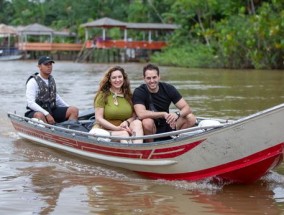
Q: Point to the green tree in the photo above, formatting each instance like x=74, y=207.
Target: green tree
x=212, y=33
x=252, y=41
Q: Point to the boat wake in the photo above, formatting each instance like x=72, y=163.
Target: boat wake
x=276, y=185
x=206, y=186
x=273, y=178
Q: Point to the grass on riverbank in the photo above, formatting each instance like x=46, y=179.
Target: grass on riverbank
x=194, y=56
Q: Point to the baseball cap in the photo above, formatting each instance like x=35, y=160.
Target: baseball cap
x=44, y=60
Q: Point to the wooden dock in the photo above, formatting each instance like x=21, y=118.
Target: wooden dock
x=121, y=44
x=29, y=46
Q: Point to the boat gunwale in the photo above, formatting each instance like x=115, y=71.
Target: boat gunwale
x=57, y=129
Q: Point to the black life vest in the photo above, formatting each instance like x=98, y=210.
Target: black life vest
x=46, y=97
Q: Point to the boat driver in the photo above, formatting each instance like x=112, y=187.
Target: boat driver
x=43, y=101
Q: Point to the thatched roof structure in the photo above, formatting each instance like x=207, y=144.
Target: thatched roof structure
x=110, y=23
x=7, y=30
x=41, y=30
x=36, y=29
x=105, y=23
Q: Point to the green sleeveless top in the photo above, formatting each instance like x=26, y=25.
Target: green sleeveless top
x=113, y=113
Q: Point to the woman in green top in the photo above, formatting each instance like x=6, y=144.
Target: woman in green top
x=113, y=105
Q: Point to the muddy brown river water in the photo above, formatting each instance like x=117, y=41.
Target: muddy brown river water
x=39, y=180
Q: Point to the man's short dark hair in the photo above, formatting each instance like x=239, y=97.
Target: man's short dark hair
x=150, y=67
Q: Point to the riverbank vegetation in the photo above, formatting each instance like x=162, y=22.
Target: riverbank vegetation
x=213, y=33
